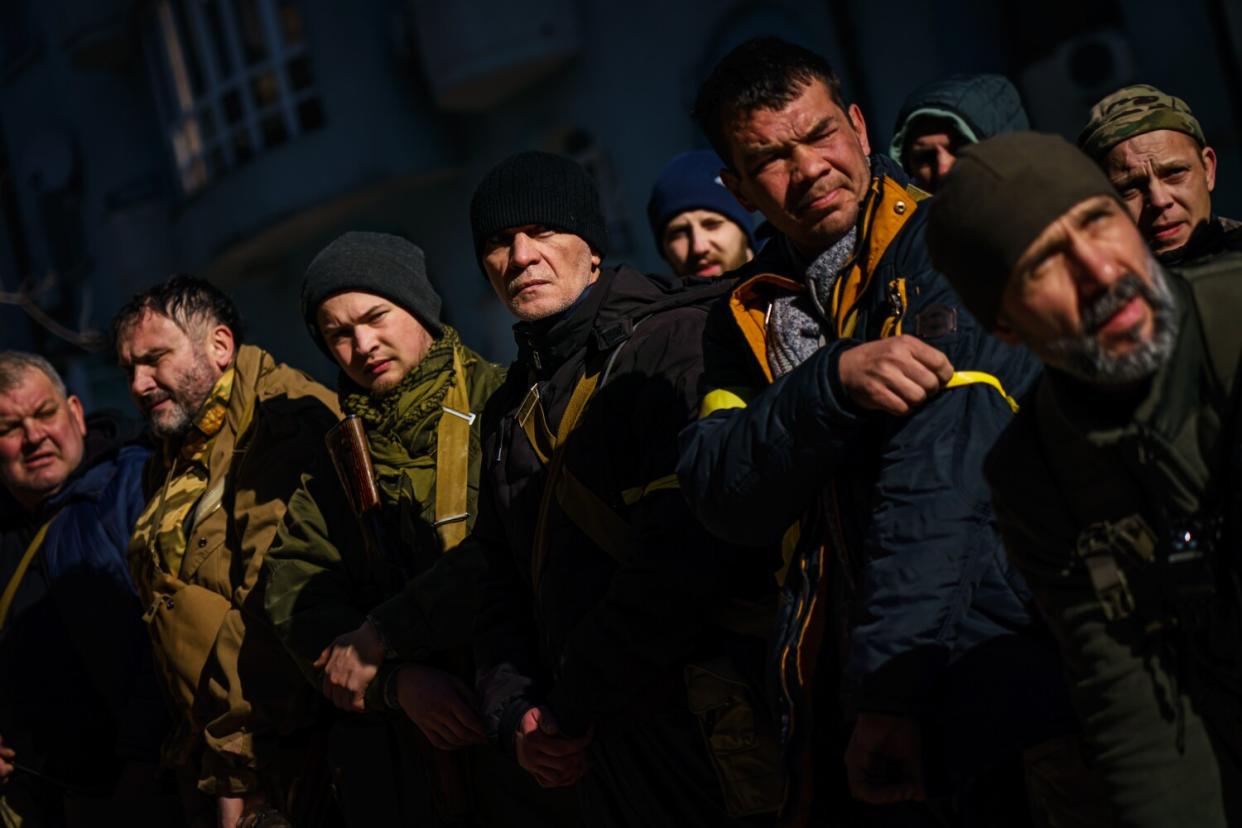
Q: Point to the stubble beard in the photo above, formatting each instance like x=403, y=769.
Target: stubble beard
x=187, y=398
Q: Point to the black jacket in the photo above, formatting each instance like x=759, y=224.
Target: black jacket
x=596, y=635
x=605, y=643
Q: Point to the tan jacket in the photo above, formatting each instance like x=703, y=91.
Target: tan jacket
x=230, y=679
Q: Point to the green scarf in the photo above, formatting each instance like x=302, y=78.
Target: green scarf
x=401, y=424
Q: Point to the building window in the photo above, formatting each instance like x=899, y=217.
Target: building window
x=233, y=78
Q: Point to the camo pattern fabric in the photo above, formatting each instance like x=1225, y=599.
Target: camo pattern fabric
x=161, y=530
x=1135, y=110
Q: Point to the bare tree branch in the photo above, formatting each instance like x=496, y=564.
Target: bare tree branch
x=24, y=298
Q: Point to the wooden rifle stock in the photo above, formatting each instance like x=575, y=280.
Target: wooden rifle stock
x=351, y=457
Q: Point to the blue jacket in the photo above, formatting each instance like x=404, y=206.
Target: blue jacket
x=895, y=572
x=79, y=694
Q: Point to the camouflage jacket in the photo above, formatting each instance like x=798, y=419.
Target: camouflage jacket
x=232, y=686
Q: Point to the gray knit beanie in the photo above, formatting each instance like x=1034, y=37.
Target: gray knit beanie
x=378, y=263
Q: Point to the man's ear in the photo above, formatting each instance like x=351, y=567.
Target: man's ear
x=860, y=126
x=1209, y=166
x=734, y=185
x=76, y=413
x=221, y=346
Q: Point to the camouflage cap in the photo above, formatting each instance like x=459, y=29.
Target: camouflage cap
x=1135, y=110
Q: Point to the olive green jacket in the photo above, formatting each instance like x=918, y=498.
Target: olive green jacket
x=1089, y=489
x=228, y=677
x=320, y=581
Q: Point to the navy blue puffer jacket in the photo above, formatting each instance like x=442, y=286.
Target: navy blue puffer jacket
x=78, y=696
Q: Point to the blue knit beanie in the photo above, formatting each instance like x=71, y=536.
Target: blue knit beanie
x=691, y=181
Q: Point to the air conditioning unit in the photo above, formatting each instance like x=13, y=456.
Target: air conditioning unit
x=476, y=53
x=1060, y=89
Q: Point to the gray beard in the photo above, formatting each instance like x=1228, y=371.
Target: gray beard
x=1083, y=358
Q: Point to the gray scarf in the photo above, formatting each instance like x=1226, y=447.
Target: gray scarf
x=799, y=324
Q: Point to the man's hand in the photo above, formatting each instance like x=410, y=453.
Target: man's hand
x=555, y=761
x=893, y=375
x=231, y=809
x=442, y=706
x=7, y=755
x=349, y=664
x=884, y=760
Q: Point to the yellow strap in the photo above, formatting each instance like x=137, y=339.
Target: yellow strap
x=961, y=378
x=550, y=449
x=606, y=529
x=721, y=399
x=10, y=590
x=632, y=496
x=453, y=460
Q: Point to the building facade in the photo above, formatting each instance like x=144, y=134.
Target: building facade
x=234, y=138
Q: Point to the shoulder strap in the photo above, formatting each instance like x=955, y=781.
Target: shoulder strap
x=590, y=513
x=453, y=460
x=10, y=589
x=550, y=448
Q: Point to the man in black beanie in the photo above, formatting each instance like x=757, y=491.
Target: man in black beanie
x=1117, y=488
x=378, y=612
x=618, y=646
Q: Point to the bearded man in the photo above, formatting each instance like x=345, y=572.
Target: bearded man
x=233, y=426
x=1117, y=486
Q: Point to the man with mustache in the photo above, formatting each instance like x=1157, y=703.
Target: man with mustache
x=618, y=645
x=829, y=428
x=78, y=701
x=1118, y=487
x=699, y=228
x=232, y=427
x=1153, y=150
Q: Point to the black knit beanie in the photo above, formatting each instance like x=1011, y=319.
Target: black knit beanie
x=999, y=196
x=378, y=263
x=537, y=188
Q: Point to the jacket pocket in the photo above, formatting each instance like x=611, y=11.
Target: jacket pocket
x=184, y=626
x=740, y=740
